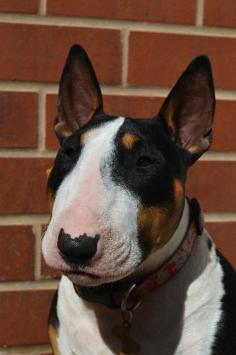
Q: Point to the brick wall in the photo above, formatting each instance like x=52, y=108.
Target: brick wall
x=139, y=48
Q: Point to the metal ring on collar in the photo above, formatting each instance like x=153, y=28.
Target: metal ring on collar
x=124, y=304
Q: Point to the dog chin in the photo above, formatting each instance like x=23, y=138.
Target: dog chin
x=91, y=280
x=83, y=279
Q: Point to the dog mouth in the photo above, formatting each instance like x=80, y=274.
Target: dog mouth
x=74, y=273
x=86, y=278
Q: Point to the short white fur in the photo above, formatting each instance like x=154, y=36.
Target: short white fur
x=181, y=318
x=89, y=201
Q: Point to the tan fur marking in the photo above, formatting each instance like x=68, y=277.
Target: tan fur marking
x=156, y=224
x=48, y=172
x=83, y=138
x=62, y=129
x=150, y=221
x=170, y=118
x=178, y=189
x=50, y=195
x=159, y=224
x=53, y=336
x=50, y=200
x=129, y=139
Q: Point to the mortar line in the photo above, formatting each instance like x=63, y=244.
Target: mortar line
x=42, y=7
x=26, y=350
x=97, y=23
x=41, y=128
x=135, y=91
x=25, y=219
x=37, y=251
x=26, y=153
x=200, y=13
x=152, y=91
x=124, y=56
x=31, y=219
x=26, y=86
x=219, y=156
x=28, y=285
x=50, y=154
x=219, y=217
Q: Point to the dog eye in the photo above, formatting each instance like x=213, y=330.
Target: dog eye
x=144, y=161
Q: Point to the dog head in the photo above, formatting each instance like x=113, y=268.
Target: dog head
x=118, y=184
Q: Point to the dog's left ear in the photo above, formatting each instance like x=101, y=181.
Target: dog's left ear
x=188, y=110
x=79, y=94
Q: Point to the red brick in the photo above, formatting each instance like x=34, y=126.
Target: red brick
x=159, y=59
x=16, y=6
x=23, y=185
x=218, y=13
x=16, y=253
x=18, y=122
x=136, y=106
x=38, y=53
x=132, y=106
x=23, y=317
x=213, y=184
x=224, y=127
x=51, y=140
x=167, y=11
x=224, y=235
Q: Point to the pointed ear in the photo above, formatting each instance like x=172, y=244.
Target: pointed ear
x=189, y=109
x=79, y=94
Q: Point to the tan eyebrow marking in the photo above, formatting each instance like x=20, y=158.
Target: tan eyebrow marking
x=129, y=139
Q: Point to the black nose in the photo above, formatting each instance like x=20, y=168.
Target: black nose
x=77, y=250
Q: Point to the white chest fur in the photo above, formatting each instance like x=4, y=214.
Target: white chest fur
x=179, y=319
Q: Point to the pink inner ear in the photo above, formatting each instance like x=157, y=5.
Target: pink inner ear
x=189, y=108
x=79, y=94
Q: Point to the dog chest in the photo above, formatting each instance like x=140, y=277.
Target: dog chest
x=179, y=319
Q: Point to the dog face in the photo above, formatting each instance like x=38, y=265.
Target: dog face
x=117, y=183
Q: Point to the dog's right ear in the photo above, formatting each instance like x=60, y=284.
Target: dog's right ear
x=188, y=110
x=79, y=94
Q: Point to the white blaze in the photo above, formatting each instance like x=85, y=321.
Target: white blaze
x=89, y=201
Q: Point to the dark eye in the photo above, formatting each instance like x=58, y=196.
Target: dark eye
x=144, y=161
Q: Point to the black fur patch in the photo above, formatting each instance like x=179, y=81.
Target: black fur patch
x=148, y=169
x=209, y=244
x=225, y=343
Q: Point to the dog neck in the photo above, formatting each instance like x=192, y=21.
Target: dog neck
x=160, y=256
x=155, y=271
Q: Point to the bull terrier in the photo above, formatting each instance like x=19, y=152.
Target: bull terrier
x=141, y=275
